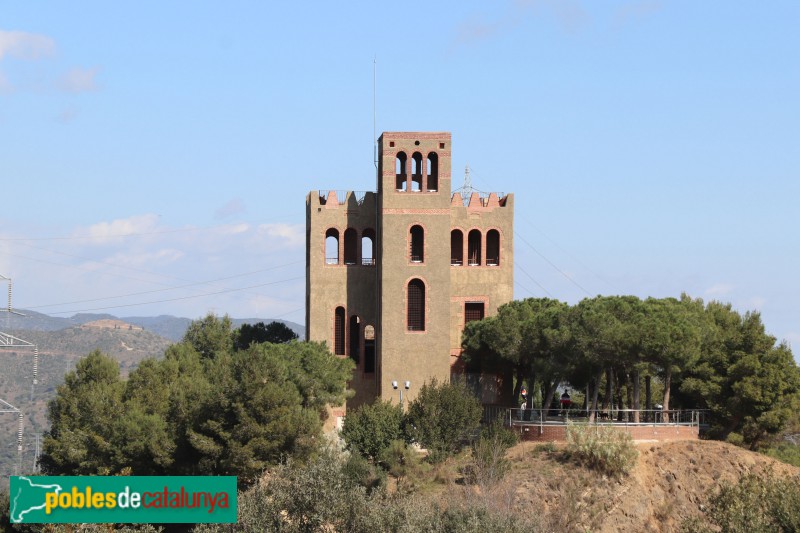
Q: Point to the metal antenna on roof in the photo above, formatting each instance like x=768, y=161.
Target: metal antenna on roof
x=466, y=190
x=374, y=118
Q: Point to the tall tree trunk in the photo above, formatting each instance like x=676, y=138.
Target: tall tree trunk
x=586, y=400
x=547, y=399
x=667, y=383
x=636, y=393
x=507, y=397
x=628, y=395
x=648, y=395
x=517, y=387
x=595, y=395
x=609, y=384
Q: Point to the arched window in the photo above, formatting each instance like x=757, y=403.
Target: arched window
x=400, y=171
x=355, y=339
x=350, y=246
x=456, y=247
x=368, y=247
x=417, y=244
x=416, y=305
x=369, y=349
x=493, y=247
x=474, y=248
x=416, y=172
x=332, y=246
x=433, y=172
x=338, y=331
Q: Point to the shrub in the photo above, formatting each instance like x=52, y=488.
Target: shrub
x=361, y=472
x=402, y=461
x=602, y=448
x=489, y=464
x=442, y=418
x=370, y=429
x=757, y=503
x=545, y=447
x=786, y=452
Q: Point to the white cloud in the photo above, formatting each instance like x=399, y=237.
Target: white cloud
x=755, y=303
x=236, y=229
x=719, y=289
x=148, y=259
x=120, y=227
x=79, y=80
x=294, y=234
x=25, y=45
x=233, y=207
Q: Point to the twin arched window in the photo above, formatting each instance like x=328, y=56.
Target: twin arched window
x=354, y=341
x=428, y=172
x=474, y=247
x=351, y=244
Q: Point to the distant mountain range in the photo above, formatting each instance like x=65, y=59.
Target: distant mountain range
x=167, y=326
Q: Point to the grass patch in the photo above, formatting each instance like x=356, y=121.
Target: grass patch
x=602, y=448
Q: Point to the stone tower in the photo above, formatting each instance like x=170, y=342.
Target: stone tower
x=392, y=276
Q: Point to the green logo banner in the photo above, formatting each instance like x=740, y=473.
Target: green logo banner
x=122, y=500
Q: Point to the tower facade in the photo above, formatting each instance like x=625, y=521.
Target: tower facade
x=393, y=275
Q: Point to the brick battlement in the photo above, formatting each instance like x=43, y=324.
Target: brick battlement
x=480, y=202
x=351, y=199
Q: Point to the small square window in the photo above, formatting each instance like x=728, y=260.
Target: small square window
x=473, y=311
x=391, y=144
x=441, y=146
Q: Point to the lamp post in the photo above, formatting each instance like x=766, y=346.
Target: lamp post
x=395, y=386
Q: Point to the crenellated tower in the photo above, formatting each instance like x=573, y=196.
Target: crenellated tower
x=392, y=276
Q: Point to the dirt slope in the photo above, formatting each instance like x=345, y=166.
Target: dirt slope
x=671, y=481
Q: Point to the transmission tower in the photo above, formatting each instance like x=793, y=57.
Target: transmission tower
x=10, y=341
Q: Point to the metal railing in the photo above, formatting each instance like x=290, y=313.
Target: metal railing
x=620, y=417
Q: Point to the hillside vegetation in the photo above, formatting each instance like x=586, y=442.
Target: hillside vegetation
x=58, y=353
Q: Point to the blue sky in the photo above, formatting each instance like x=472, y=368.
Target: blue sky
x=155, y=156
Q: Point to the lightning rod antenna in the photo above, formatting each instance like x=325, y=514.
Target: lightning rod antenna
x=374, y=117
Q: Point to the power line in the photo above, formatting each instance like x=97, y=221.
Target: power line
x=117, y=235
x=176, y=299
x=571, y=256
x=533, y=280
x=540, y=254
x=552, y=264
x=166, y=289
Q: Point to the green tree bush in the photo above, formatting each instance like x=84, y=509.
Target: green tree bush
x=218, y=411
x=83, y=415
x=274, y=332
x=370, y=429
x=319, y=495
x=442, y=418
x=758, y=503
